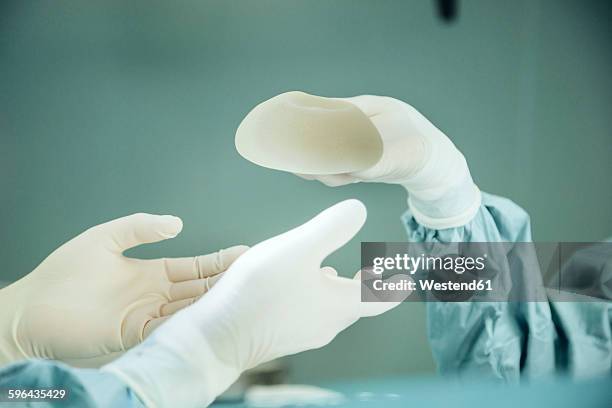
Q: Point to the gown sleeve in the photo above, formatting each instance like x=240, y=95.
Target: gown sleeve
x=83, y=387
x=510, y=341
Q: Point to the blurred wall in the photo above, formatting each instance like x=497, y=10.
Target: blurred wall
x=117, y=107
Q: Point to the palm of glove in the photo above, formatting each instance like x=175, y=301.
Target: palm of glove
x=87, y=302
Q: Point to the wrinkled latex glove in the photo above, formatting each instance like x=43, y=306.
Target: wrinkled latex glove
x=87, y=303
x=274, y=300
x=418, y=156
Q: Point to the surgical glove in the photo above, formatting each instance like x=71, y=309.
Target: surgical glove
x=274, y=300
x=87, y=303
x=418, y=156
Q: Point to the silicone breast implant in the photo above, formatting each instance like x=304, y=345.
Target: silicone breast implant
x=308, y=134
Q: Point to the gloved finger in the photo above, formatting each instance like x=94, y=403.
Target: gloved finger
x=335, y=180
x=373, y=304
x=306, y=176
x=330, y=180
x=152, y=325
x=137, y=229
x=173, y=307
x=332, y=228
x=348, y=291
x=328, y=270
x=137, y=317
x=192, y=288
x=198, y=267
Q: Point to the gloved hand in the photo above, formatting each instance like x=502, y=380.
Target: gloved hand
x=86, y=303
x=274, y=300
x=419, y=157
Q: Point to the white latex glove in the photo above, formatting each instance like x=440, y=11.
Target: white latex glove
x=418, y=156
x=273, y=301
x=86, y=303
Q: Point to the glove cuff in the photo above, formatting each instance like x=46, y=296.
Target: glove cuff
x=174, y=371
x=442, y=193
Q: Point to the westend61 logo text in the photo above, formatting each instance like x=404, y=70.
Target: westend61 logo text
x=412, y=264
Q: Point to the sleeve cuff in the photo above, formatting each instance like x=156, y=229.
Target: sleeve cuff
x=453, y=213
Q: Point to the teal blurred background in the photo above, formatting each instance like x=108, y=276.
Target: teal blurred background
x=111, y=107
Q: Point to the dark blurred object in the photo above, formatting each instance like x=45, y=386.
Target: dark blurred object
x=447, y=9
